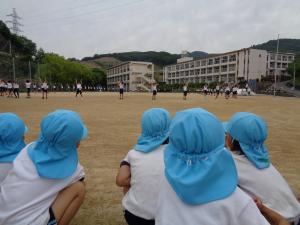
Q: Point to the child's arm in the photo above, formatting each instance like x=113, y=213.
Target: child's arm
x=124, y=175
x=272, y=217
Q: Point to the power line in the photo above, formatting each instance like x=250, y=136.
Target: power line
x=15, y=24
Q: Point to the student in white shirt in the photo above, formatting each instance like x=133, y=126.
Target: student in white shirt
x=154, y=90
x=78, y=89
x=246, y=134
x=142, y=168
x=16, y=88
x=44, y=89
x=185, y=91
x=28, y=87
x=217, y=91
x=9, y=89
x=205, y=90
x=44, y=186
x=227, y=92
x=121, y=90
x=200, y=182
x=12, y=131
x=234, y=91
x=2, y=88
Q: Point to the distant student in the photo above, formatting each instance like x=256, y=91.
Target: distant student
x=217, y=91
x=78, y=89
x=12, y=131
x=121, y=90
x=2, y=87
x=34, y=87
x=154, y=90
x=28, y=87
x=227, y=92
x=234, y=91
x=45, y=184
x=44, y=89
x=9, y=89
x=16, y=88
x=142, y=168
x=185, y=91
x=200, y=182
x=205, y=90
x=246, y=134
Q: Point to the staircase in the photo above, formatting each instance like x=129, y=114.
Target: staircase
x=144, y=83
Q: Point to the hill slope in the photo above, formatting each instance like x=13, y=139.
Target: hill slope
x=285, y=45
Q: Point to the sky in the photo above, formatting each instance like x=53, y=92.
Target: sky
x=77, y=28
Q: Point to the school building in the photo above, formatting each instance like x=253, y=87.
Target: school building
x=245, y=64
x=136, y=76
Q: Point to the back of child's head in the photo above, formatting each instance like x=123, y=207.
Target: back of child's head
x=55, y=151
x=12, y=131
x=250, y=131
x=197, y=165
x=155, y=129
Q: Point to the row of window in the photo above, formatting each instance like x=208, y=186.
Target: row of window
x=203, y=62
x=206, y=79
x=282, y=57
x=279, y=65
x=123, y=78
x=117, y=70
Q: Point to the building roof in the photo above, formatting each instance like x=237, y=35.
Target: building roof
x=128, y=62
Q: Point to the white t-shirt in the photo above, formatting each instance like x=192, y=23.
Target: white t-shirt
x=146, y=172
x=25, y=197
x=4, y=169
x=121, y=86
x=79, y=87
x=9, y=85
x=184, y=88
x=227, y=89
x=16, y=86
x=205, y=88
x=237, y=209
x=269, y=185
x=217, y=88
x=154, y=88
x=45, y=86
x=234, y=89
x=27, y=84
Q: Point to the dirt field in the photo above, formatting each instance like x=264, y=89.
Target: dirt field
x=114, y=127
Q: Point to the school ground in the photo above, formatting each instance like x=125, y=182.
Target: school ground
x=114, y=126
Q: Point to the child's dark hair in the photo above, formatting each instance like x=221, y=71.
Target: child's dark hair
x=236, y=147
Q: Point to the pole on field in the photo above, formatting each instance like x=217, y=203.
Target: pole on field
x=275, y=73
x=29, y=70
x=14, y=69
x=294, y=82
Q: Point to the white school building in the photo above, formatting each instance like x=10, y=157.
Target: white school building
x=245, y=64
x=136, y=76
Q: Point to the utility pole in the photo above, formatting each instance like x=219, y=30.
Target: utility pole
x=29, y=70
x=13, y=61
x=275, y=73
x=14, y=22
x=294, y=82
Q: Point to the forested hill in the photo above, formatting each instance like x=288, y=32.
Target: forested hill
x=285, y=45
x=158, y=58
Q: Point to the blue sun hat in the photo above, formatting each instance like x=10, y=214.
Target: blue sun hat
x=155, y=129
x=54, y=154
x=197, y=165
x=250, y=131
x=12, y=131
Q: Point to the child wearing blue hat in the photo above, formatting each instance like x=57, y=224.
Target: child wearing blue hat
x=44, y=186
x=12, y=131
x=246, y=134
x=200, y=182
x=142, y=168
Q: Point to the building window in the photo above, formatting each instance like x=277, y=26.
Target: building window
x=225, y=59
x=203, y=71
x=197, y=63
x=210, y=61
x=232, y=58
x=217, y=60
x=203, y=63
x=224, y=68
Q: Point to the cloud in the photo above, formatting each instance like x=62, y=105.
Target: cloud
x=78, y=29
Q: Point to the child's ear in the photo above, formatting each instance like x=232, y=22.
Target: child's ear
x=78, y=145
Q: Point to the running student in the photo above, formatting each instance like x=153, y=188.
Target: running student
x=246, y=134
x=185, y=91
x=205, y=90
x=227, y=92
x=154, y=90
x=121, y=89
x=16, y=88
x=45, y=184
x=142, y=168
x=78, y=89
x=2, y=87
x=234, y=91
x=44, y=89
x=217, y=91
x=28, y=87
x=12, y=131
x=200, y=182
x=9, y=88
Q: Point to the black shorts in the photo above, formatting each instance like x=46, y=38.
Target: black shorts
x=227, y=92
x=205, y=92
x=78, y=91
x=28, y=90
x=154, y=92
x=121, y=91
x=218, y=92
x=132, y=219
x=52, y=220
x=185, y=93
x=44, y=90
x=234, y=93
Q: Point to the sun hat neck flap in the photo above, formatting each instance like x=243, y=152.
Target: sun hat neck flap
x=54, y=153
x=155, y=129
x=197, y=165
x=250, y=131
x=12, y=131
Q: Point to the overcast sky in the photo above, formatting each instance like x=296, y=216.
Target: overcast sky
x=77, y=28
